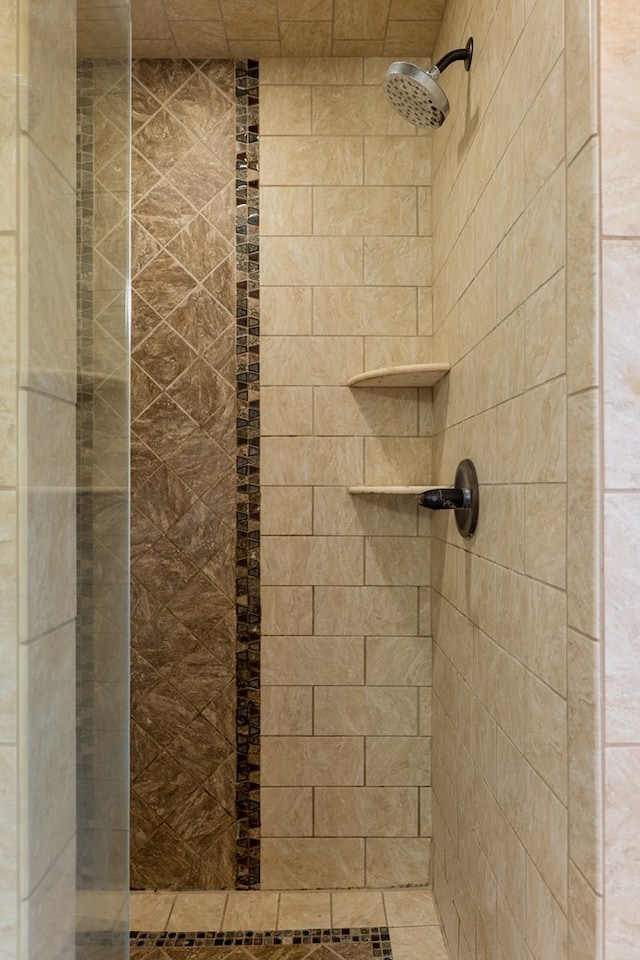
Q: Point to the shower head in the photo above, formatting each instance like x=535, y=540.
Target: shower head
x=416, y=94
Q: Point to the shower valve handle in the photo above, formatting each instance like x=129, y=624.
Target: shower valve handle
x=446, y=498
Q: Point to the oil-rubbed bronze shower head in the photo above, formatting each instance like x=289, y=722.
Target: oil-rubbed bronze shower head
x=416, y=94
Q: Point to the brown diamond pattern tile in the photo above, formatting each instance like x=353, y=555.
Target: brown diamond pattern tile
x=143, y=104
x=201, y=749
x=164, y=785
x=222, y=782
x=163, y=570
x=217, y=860
x=200, y=390
x=163, y=141
x=223, y=424
x=199, y=248
x=200, y=319
x=144, y=606
x=221, y=211
x=163, y=211
x=144, y=390
x=200, y=461
x=164, y=354
x=221, y=494
x=202, y=821
x=143, y=247
x=199, y=175
x=200, y=606
x=164, y=642
x=163, y=713
x=164, y=426
x=198, y=103
x=143, y=319
x=162, y=77
x=164, y=499
x=164, y=284
x=200, y=677
x=143, y=678
x=144, y=534
x=221, y=282
x=220, y=138
x=143, y=821
x=222, y=353
x=143, y=175
x=222, y=73
x=144, y=749
x=143, y=461
x=164, y=862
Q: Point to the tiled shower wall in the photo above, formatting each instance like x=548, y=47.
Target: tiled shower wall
x=184, y=476
x=516, y=766
x=346, y=659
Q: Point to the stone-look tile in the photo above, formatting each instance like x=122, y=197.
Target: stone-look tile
x=294, y=70
x=303, y=910
x=286, y=211
x=287, y=611
x=251, y=911
x=397, y=160
x=312, y=660
x=585, y=918
x=191, y=569
x=290, y=461
x=285, y=111
x=365, y=811
x=392, y=861
x=397, y=261
x=618, y=74
x=545, y=332
x=286, y=511
x=544, y=131
x=502, y=201
x=621, y=544
x=546, y=923
x=377, y=611
x=353, y=111
x=545, y=734
x=311, y=361
x=621, y=280
x=583, y=269
x=390, y=461
x=150, y=911
x=320, y=261
x=286, y=711
x=368, y=311
x=581, y=43
x=299, y=161
x=621, y=880
x=545, y=532
x=364, y=211
x=499, y=681
x=336, y=512
x=585, y=758
x=8, y=615
x=340, y=411
x=397, y=561
x=418, y=943
x=195, y=911
x=362, y=711
x=536, y=815
x=358, y=908
x=286, y=411
x=390, y=661
x=392, y=761
x=392, y=351
x=410, y=908
x=537, y=238
x=312, y=863
x=309, y=761
x=584, y=508
x=311, y=560
x=286, y=311
x=286, y=811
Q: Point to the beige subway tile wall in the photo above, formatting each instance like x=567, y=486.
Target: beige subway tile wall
x=516, y=772
x=346, y=275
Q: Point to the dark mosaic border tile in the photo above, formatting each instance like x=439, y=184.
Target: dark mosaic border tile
x=378, y=937
x=248, y=476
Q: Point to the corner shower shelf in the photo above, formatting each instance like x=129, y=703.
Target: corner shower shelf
x=409, y=375
x=392, y=491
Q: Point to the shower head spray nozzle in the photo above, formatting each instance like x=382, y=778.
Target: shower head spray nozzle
x=416, y=94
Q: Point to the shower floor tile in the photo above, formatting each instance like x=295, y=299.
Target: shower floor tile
x=352, y=924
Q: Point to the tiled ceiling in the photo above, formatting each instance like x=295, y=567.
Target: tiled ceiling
x=285, y=28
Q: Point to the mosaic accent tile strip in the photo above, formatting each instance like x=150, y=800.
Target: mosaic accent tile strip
x=359, y=943
x=248, y=475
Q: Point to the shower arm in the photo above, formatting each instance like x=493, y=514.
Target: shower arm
x=462, y=53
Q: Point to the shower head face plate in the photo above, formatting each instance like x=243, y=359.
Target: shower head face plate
x=416, y=95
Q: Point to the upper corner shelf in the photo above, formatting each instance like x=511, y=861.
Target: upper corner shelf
x=410, y=375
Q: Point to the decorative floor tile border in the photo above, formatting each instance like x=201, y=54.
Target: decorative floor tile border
x=377, y=937
x=248, y=477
